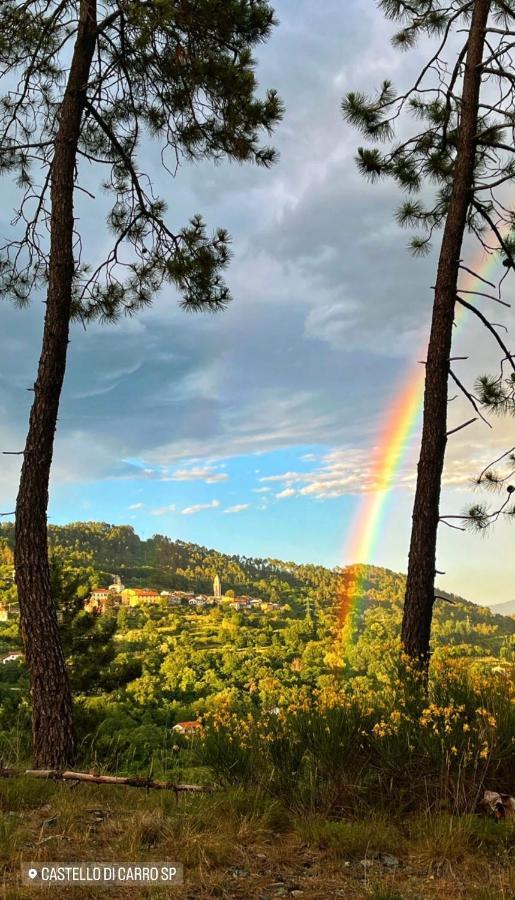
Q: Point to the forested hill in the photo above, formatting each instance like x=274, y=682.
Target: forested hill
x=101, y=550
x=160, y=562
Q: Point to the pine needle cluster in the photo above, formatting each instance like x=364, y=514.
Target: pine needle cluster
x=427, y=158
x=180, y=73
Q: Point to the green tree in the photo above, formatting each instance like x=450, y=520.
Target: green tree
x=91, y=83
x=496, y=393
x=87, y=639
x=464, y=148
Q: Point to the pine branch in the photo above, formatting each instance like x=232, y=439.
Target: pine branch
x=494, y=463
x=443, y=520
x=461, y=427
x=490, y=328
x=487, y=296
x=469, y=397
x=447, y=599
x=475, y=275
x=502, y=243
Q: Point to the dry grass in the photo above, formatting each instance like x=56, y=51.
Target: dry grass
x=240, y=844
x=352, y=839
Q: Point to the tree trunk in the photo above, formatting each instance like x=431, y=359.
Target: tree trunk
x=52, y=727
x=418, y=606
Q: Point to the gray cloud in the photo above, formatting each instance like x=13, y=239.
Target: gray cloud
x=328, y=306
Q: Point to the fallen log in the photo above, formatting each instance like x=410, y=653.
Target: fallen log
x=126, y=781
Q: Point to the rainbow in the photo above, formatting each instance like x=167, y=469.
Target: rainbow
x=394, y=443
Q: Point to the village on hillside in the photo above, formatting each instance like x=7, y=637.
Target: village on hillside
x=109, y=599
x=117, y=596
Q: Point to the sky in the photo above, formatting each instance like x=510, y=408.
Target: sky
x=254, y=430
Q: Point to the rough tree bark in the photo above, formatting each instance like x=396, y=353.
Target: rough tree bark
x=52, y=727
x=418, y=606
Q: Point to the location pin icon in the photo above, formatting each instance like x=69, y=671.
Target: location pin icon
x=32, y=873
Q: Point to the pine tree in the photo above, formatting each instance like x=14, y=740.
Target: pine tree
x=464, y=148
x=87, y=83
x=496, y=394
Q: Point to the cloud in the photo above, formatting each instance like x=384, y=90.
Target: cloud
x=357, y=471
x=205, y=474
x=164, y=510
x=107, y=381
x=288, y=492
x=261, y=490
x=135, y=506
x=286, y=476
x=278, y=368
x=257, y=420
x=236, y=509
x=326, y=313
x=340, y=472
x=331, y=322
x=268, y=372
x=200, y=507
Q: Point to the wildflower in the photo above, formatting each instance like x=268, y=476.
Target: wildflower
x=382, y=729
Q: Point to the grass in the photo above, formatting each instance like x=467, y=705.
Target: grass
x=243, y=843
x=351, y=839
x=361, y=795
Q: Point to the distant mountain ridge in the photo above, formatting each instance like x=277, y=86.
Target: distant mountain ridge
x=504, y=609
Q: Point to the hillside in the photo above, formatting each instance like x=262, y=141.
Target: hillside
x=98, y=551
x=504, y=609
x=311, y=728
x=136, y=671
